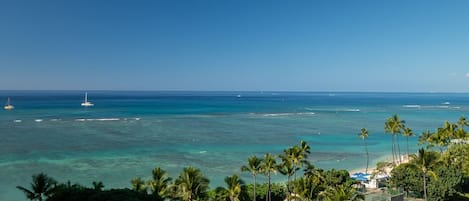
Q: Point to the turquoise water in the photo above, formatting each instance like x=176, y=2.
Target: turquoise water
x=126, y=134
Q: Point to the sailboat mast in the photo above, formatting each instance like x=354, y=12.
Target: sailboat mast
x=86, y=97
x=8, y=102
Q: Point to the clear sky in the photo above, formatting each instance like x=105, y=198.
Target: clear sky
x=328, y=45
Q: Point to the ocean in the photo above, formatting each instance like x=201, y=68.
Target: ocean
x=128, y=133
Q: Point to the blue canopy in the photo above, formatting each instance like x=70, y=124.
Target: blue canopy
x=360, y=176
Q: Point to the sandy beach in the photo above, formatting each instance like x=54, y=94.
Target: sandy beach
x=372, y=168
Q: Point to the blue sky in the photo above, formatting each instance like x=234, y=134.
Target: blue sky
x=348, y=45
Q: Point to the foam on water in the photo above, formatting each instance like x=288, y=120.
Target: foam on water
x=286, y=114
x=431, y=107
x=104, y=119
x=352, y=110
x=83, y=119
x=411, y=106
x=334, y=109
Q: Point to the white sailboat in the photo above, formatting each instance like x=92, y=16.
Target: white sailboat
x=8, y=106
x=86, y=103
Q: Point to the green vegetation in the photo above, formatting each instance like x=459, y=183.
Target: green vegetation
x=159, y=184
x=98, y=186
x=424, y=162
x=441, y=175
x=192, y=185
x=433, y=175
x=408, y=178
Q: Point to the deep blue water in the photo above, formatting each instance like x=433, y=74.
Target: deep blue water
x=126, y=134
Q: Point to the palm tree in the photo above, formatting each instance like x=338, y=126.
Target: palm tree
x=305, y=149
x=407, y=133
x=363, y=135
x=306, y=188
x=41, y=187
x=254, y=167
x=441, y=138
x=298, y=155
x=220, y=194
x=98, y=185
x=138, y=184
x=310, y=170
x=287, y=168
x=461, y=133
x=192, y=184
x=268, y=167
x=462, y=122
x=424, y=161
x=173, y=193
x=426, y=138
x=450, y=129
x=234, y=187
x=159, y=183
x=394, y=126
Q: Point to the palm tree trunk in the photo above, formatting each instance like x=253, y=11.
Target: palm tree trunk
x=367, y=156
x=399, y=149
x=288, y=188
x=407, y=139
x=424, y=187
x=393, y=155
x=255, y=187
x=294, y=169
x=268, y=189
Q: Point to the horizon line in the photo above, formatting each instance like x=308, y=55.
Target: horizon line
x=237, y=91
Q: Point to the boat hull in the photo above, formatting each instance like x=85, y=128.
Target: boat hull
x=87, y=104
x=8, y=107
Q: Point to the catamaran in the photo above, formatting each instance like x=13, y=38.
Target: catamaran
x=86, y=103
x=8, y=106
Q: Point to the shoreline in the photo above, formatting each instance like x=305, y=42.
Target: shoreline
x=372, y=168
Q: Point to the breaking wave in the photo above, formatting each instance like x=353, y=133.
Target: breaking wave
x=411, y=106
x=286, y=114
x=431, y=107
x=335, y=110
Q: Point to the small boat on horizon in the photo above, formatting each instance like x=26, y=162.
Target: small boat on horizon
x=446, y=103
x=86, y=103
x=8, y=106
